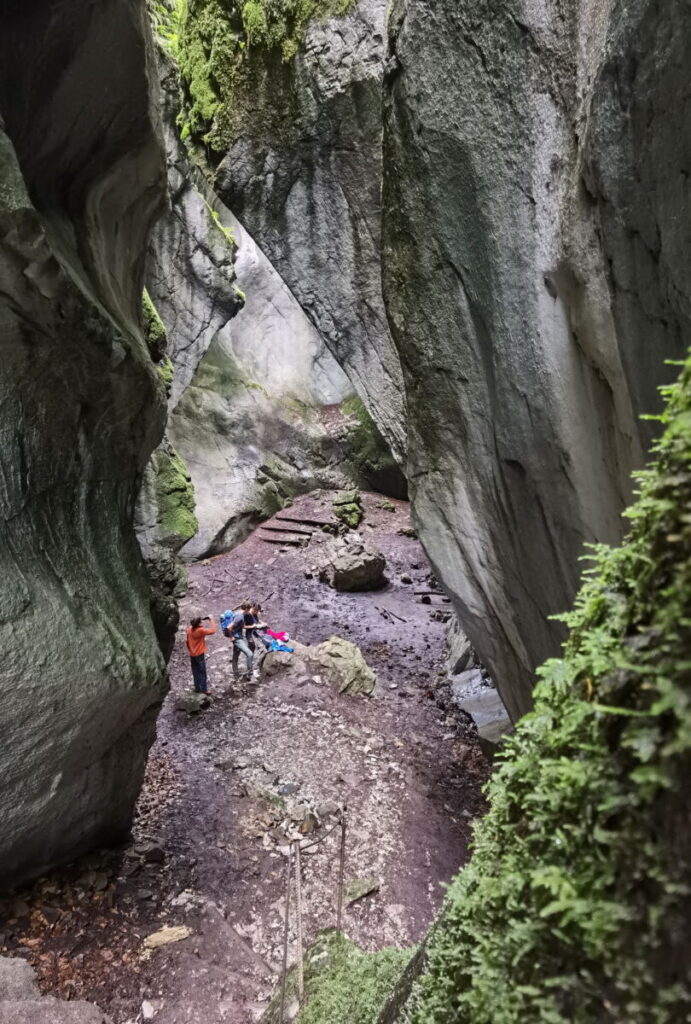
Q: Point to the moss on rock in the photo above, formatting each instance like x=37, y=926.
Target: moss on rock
x=576, y=903
x=166, y=371
x=343, y=985
x=347, y=508
x=154, y=331
x=175, y=497
x=226, y=50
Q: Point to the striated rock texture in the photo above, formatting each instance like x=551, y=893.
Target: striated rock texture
x=81, y=408
x=535, y=247
x=189, y=270
x=250, y=372
x=298, y=147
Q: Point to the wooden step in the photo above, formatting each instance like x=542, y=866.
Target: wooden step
x=288, y=529
x=305, y=520
x=291, y=539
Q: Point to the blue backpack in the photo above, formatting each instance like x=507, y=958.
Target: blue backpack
x=225, y=620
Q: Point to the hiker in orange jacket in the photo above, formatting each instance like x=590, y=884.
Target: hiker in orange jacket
x=196, y=645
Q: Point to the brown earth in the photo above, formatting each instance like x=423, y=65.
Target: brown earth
x=215, y=819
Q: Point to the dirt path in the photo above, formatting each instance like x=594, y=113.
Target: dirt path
x=221, y=786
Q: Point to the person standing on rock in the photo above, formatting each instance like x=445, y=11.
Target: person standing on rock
x=196, y=645
x=239, y=641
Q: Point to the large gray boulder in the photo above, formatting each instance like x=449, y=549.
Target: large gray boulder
x=336, y=661
x=349, y=563
x=81, y=409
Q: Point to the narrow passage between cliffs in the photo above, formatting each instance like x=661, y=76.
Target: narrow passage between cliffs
x=208, y=853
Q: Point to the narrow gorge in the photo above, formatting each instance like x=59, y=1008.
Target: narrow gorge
x=373, y=314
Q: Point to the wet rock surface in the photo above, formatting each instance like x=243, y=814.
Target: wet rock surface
x=227, y=788
x=81, y=409
x=527, y=269
x=308, y=190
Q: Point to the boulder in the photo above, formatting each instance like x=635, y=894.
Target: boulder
x=460, y=652
x=22, y=1003
x=192, y=703
x=349, y=563
x=342, y=665
x=489, y=714
x=336, y=661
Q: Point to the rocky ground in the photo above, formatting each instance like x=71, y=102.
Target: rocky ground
x=225, y=787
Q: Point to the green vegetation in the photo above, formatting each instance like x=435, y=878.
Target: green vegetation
x=164, y=20
x=175, y=498
x=227, y=233
x=228, y=50
x=575, y=906
x=154, y=331
x=347, y=507
x=343, y=985
x=166, y=372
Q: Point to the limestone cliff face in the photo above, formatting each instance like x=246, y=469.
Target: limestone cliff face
x=250, y=371
x=297, y=150
x=531, y=255
x=81, y=408
x=249, y=425
x=189, y=271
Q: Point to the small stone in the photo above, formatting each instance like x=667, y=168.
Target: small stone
x=19, y=908
x=309, y=823
x=151, y=852
x=289, y=788
x=147, y=1010
x=183, y=899
x=166, y=936
x=425, y=599
x=406, y=578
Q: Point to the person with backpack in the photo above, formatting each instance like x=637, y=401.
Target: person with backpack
x=259, y=628
x=235, y=630
x=196, y=645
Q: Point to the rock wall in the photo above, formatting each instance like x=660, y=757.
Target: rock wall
x=251, y=373
x=249, y=426
x=297, y=149
x=555, y=917
x=529, y=276
x=81, y=408
x=533, y=256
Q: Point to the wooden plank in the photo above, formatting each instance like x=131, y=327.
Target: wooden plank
x=290, y=539
x=288, y=529
x=305, y=520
